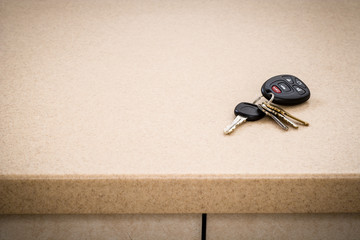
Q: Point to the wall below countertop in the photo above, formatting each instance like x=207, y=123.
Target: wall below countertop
x=181, y=226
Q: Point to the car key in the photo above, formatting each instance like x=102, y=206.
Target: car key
x=244, y=112
x=287, y=90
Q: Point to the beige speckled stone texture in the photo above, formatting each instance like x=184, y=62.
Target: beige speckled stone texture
x=81, y=227
x=283, y=226
x=119, y=106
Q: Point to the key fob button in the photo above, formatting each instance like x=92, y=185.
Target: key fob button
x=299, y=90
x=284, y=87
x=288, y=79
x=298, y=82
x=275, y=89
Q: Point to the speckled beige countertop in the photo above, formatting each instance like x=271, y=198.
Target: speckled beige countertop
x=119, y=106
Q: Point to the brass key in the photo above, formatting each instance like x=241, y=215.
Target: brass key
x=280, y=123
x=287, y=120
x=285, y=113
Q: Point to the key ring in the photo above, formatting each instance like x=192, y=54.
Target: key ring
x=268, y=101
x=257, y=99
x=271, y=99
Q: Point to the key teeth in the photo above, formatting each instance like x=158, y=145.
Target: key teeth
x=228, y=130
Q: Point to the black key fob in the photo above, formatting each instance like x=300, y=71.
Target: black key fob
x=287, y=90
x=249, y=111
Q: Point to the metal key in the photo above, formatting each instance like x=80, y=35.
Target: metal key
x=278, y=114
x=286, y=114
x=244, y=112
x=280, y=123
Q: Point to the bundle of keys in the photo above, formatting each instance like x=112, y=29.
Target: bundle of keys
x=282, y=90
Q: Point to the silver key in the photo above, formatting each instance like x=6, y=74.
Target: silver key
x=237, y=121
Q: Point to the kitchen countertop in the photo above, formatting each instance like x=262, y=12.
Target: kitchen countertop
x=119, y=106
